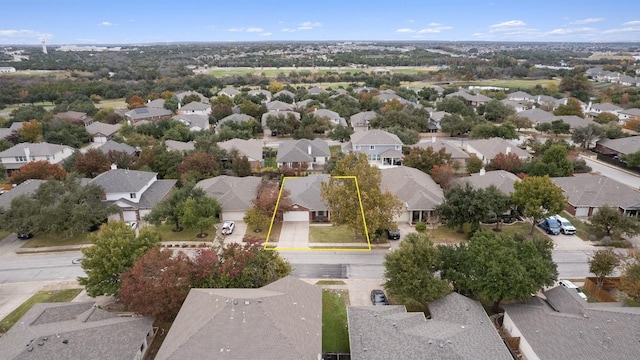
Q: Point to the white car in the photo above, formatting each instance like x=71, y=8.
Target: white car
x=570, y=285
x=227, y=227
x=565, y=226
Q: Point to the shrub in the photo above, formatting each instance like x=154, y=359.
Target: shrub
x=421, y=226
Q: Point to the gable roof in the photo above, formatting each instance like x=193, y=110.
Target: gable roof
x=630, y=112
x=303, y=150
x=35, y=149
x=502, y=180
x=459, y=328
x=362, y=118
x=123, y=180
x=157, y=103
x=414, y=188
x=305, y=191
x=437, y=144
x=174, y=145
x=489, y=148
x=566, y=327
x=90, y=333
x=575, y=121
x=116, y=146
x=625, y=145
x=597, y=190
x=28, y=187
x=605, y=107
x=285, y=92
x=537, y=115
x=147, y=112
x=98, y=128
x=230, y=92
x=251, y=148
x=15, y=126
x=195, y=106
x=519, y=95
x=182, y=94
x=76, y=116
x=192, y=120
x=282, y=320
x=375, y=137
x=233, y=193
x=470, y=97
x=277, y=105
x=278, y=114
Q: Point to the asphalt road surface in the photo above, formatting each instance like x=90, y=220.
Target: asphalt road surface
x=40, y=267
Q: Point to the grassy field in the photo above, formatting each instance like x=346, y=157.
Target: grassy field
x=335, y=335
x=40, y=297
x=333, y=234
x=113, y=103
x=40, y=240
x=515, y=83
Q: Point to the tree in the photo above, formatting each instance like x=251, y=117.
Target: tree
x=508, y=162
x=537, y=196
x=443, y=175
x=497, y=112
x=474, y=164
x=341, y=133
x=559, y=127
x=612, y=222
x=572, y=107
x=31, y=132
x=520, y=122
x=463, y=204
x=455, y=124
x=603, y=263
x=200, y=213
x=157, y=284
x=630, y=279
x=555, y=157
x=92, y=163
x=614, y=131
x=170, y=209
x=265, y=203
x=341, y=196
x=424, y=159
x=199, y=165
x=407, y=136
x=496, y=267
x=410, y=272
x=498, y=203
x=116, y=248
x=41, y=169
x=586, y=135
x=488, y=131
x=241, y=166
x=605, y=118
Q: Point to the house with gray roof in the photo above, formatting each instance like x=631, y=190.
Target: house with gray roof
x=420, y=195
x=456, y=153
x=147, y=113
x=195, y=122
x=586, y=193
x=487, y=149
x=458, y=328
x=360, y=121
x=251, y=148
x=282, y=320
x=537, y=116
x=563, y=326
x=521, y=96
x=381, y=147
x=628, y=114
x=279, y=115
x=284, y=93
x=239, y=118
x=102, y=132
x=229, y=92
x=501, y=179
x=27, y=187
x=316, y=90
x=265, y=94
x=75, y=117
x=333, y=116
x=473, y=100
x=76, y=330
x=573, y=121
x=174, y=145
x=181, y=95
x=234, y=194
x=304, y=152
x=195, y=108
x=303, y=105
x=307, y=203
x=621, y=146
x=20, y=154
x=157, y=104
x=435, y=117
x=116, y=146
x=277, y=105
x=518, y=106
x=134, y=192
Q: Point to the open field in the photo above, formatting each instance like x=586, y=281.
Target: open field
x=40, y=297
x=113, y=103
x=514, y=83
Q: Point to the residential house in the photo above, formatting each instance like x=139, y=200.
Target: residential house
x=229, y=92
x=155, y=104
x=307, y=203
x=586, y=193
x=111, y=145
x=420, y=195
x=278, y=114
x=195, y=122
x=501, y=179
x=282, y=320
x=174, y=145
x=454, y=151
x=277, y=105
x=487, y=149
x=19, y=155
x=341, y=91
x=563, y=101
x=435, y=117
x=573, y=121
x=617, y=147
x=458, y=328
x=316, y=90
x=234, y=194
x=518, y=106
x=303, y=105
x=594, y=110
x=194, y=108
x=27, y=187
x=77, y=330
x=628, y=80
x=102, y=132
x=265, y=94
x=312, y=153
x=381, y=147
x=76, y=117
x=333, y=116
x=628, y=114
x=251, y=148
x=181, y=95
x=147, y=113
x=12, y=129
x=134, y=192
x=360, y=121
x=521, y=96
x=473, y=100
x=537, y=116
x=563, y=326
x=284, y=93
x=239, y=118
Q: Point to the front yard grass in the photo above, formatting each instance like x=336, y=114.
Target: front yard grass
x=334, y=234
x=335, y=335
x=41, y=240
x=39, y=297
x=262, y=234
x=167, y=233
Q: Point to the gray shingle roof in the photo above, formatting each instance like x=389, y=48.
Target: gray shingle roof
x=502, y=180
x=630, y=112
x=302, y=150
x=90, y=332
x=157, y=103
x=415, y=189
x=26, y=188
x=233, y=117
x=146, y=113
x=191, y=120
x=362, y=118
x=174, y=145
x=437, y=144
x=98, y=128
x=537, y=115
x=155, y=193
x=626, y=145
x=251, y=148
x=278, y=105
x=305, y=191
x=195, y=106
x=182, y=94
x=575, y=121
x=459, y=329
x=375, y=137
x=123, y=181
x=597, y=190
x=233, y=193
x=489, y=148
x=229, y=91
x=36, y=149
x=282, y=320
x=116, y=146
x=606, y=107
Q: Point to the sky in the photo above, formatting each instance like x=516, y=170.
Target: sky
x=65, y=22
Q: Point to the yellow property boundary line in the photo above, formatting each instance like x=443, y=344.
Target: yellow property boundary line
x=273, y=217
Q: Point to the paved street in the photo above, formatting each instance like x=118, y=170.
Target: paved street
x=613, y=173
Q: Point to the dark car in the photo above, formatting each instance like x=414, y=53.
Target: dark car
x=551, y=226
x=393, y=234
x=378, y=297
x=25, y=236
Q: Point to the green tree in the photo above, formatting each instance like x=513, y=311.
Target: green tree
x=605, y=118
x=31, y=131
x=630, y=279
x=115, y=250
x=632, y=160
x=170, y=209
x=572, y=107
x=241, y=166
x=612, y=222
x=603, y=263
x=463, y=204
x=497, y=112
x=340, y=194
x=556, y=155
x=559, y=127
x=423, y=159
x=474, y=164
x=537, y=196
x=410, y=272
x=200, y=213
x=498, y=203
x=341, y=133
x=586, y=135
x=520, y=122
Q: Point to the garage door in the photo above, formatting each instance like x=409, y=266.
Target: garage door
x=296, y=216
x=129, y=216
x=233, y=216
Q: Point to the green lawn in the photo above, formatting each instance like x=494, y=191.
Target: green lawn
x=41, y=240
x=330, y=282
x=333, y=234
x=40, y=297
x=335, y=149
x=335, y=335
x=509, y=83
x=273, y=237
x=113, y=103
x=270, y=162
x=167, y=233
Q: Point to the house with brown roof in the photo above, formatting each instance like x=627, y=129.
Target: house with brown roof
x=282, y=320
x=234, y=194
x=251, y=148
x=76, y=117
x=586, y=193
x=487, y=149
x=417, y=191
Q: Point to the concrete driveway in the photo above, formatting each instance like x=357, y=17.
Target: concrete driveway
x=238, y=233
x=294, y=235
x=568, y=242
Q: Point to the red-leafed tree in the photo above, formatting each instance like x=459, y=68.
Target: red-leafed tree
x=199, y=165
x=121, y=159
x=220, y=111
x=442, y=175
x=41, y=169
x=267, y=198
x=157, y=284
x=92, y=163
x=424, y=159
x=508, y=162
x=135, y=102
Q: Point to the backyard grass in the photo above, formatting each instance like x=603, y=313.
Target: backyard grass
x=167, y=233
x=270, y=162
x=335, y=149
x=40, y=297
x=273, y=237
x=335, y=335
x=41, y=240
x=330, y=282
x=333, y=234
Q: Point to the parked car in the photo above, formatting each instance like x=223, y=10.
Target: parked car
x=25, y=236
x=393, y=234
x=378, y=297
x=227, y=227
x=565, y=225
x=570, y=285
x=550, y=225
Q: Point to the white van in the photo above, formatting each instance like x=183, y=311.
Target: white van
x=565, y=226
x=570, y=285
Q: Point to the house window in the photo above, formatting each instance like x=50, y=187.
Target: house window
x=314, y=159
x=372, y=147
x=21, y=158
x=132, y=195
x=398, y=147
x=33, y=158
x=48, y=157
x=357, y=147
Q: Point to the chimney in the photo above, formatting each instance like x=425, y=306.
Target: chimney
x=508, y=150
x=482, y=172
x=27, y=153
x=179, y=106
x=114, y=166
x=309, y=149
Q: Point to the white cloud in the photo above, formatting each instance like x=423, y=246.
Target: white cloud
x=434, y=28
x=507, y=25
x=435, y=24
x=587, y=21
x=106, y=23
x=308, y=25
x=631, y=23
x=255, y=29
x=265, y=34
x=411, y=20
x=12, y=33
x=288, y=30
x=236, y=30
x=405, y=31
x=623, y=30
